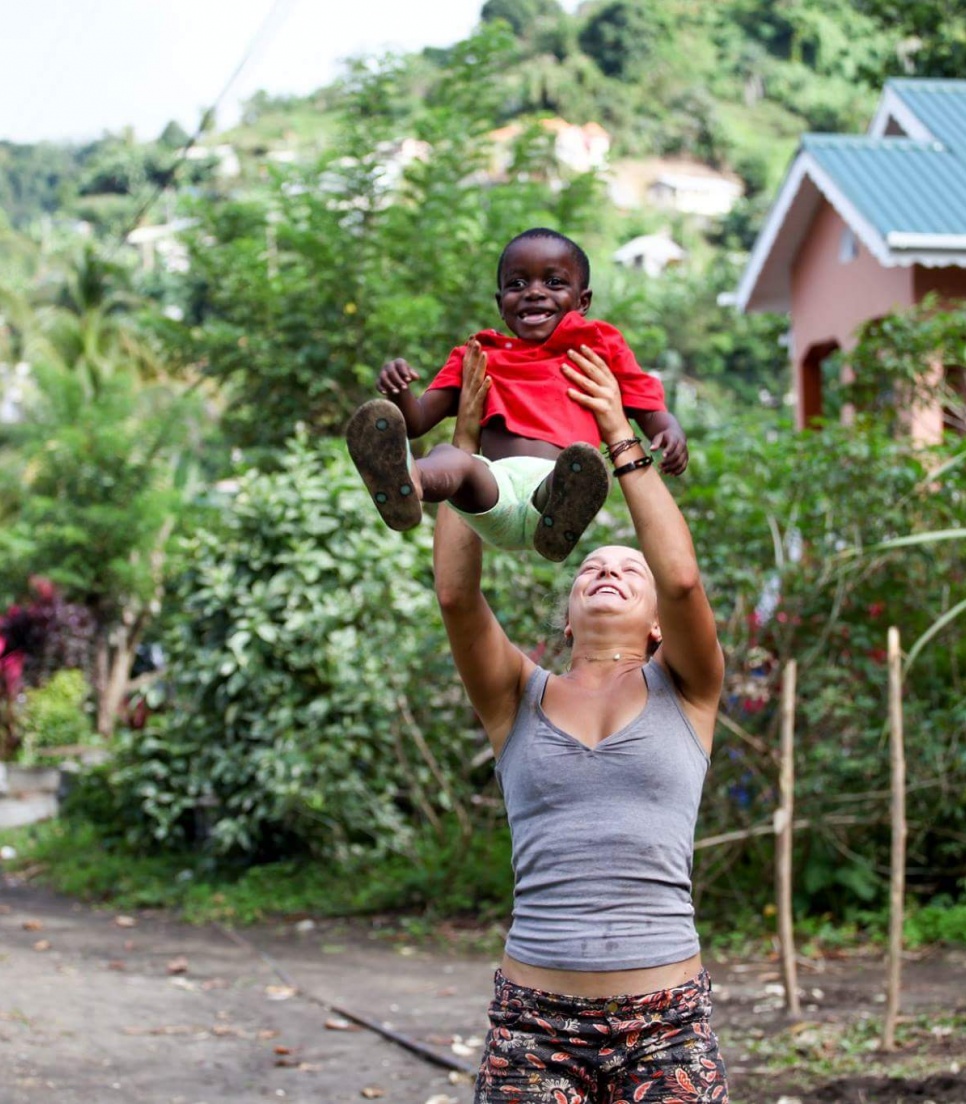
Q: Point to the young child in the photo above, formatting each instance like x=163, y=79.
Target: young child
x=539, y=479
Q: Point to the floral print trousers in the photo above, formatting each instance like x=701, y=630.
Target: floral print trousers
x=543, y=1048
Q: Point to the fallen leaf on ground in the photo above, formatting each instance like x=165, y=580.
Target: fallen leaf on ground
x=223, y=1030
x=117, y=965
x=280, y=992
x=42, y=945
x=283, y=1049
x=167, y=1029
x=268, y=1033
x=442, y=1098
x=341, y=1025
x=33, y=925
x=178, y=965
x=373, y=1093
x=125, y=921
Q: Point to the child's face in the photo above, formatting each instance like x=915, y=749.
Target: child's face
x=539, y=283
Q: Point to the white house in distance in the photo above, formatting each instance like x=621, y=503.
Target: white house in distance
x=227, y=162
x=581, y=149
x=692, y=194
x=650, y=253
x=162, y=245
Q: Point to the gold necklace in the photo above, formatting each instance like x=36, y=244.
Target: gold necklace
x=613, y=658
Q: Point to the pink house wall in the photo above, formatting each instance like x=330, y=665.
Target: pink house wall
x=831, y=298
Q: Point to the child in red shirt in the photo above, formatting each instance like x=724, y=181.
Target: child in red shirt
x=539, y=479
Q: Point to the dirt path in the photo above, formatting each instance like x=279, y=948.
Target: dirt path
x=95, y=1007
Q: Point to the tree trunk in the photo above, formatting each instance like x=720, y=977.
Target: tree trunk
x=113, y=657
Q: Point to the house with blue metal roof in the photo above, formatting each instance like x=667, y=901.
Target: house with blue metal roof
x=864, y=225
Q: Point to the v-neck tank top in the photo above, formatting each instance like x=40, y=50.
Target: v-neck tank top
x=603, y=837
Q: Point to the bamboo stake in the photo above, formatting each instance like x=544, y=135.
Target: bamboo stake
x=784, y=827
x=898, y=876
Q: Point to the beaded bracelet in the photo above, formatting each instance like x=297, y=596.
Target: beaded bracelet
x=614, y=450
x=633, y=465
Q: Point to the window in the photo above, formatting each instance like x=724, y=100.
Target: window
x=848, y=246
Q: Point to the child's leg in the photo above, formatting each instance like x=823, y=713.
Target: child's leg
x=378, y=445
x=450, y=474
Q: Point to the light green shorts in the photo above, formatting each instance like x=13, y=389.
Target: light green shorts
x=511, y=523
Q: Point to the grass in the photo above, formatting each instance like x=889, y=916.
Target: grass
x=430, y=885
x=836, y=1049
x=459, y=889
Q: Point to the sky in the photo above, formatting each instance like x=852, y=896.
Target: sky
x=73, y=69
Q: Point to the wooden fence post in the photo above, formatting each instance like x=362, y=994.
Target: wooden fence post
x=898, y=873
x=784, y=830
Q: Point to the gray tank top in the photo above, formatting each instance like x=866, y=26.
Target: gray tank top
x=603, y=837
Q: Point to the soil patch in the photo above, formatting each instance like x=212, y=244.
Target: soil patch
x=95, y=1006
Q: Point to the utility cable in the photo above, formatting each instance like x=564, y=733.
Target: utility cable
x=383, y=1029
x=258, y=41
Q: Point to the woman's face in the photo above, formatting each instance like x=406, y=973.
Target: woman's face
x=613, y=582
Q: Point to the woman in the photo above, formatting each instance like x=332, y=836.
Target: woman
x=601, y=995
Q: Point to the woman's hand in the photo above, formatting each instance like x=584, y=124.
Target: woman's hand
x=596, y=388
x=473, y=392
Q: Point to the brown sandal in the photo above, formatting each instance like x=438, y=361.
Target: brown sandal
x=579, y=488
x=379, y=447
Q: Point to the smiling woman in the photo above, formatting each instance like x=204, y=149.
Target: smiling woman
x=601, y=994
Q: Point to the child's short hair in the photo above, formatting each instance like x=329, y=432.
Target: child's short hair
x=579, y=256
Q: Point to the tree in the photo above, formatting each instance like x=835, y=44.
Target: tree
x=931, y=36
x=523, y=17
x=98, y=471
x=621, y=35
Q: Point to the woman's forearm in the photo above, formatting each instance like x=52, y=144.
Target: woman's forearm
x=457, y=560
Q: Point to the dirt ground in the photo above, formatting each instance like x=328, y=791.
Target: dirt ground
x=95, y=1007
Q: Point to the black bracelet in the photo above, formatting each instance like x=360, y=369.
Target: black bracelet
x=634, y=465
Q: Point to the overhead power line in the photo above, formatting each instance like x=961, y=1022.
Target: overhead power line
x=269, y=27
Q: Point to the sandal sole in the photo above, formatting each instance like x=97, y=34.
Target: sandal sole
x=379, y=448
x=580, y=487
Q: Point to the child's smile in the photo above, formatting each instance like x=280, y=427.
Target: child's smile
x=539, y=283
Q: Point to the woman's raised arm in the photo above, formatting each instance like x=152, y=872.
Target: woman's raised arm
x=689, y=640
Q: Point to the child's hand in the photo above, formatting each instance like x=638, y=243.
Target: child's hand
x=476, y=384
x=674, y=449
x=395, y=377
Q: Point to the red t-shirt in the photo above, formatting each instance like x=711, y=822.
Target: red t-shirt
x=529, y=392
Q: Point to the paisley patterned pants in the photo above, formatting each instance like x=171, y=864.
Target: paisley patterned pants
x=543, y=1048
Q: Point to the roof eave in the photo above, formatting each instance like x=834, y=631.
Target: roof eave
x=754, y=293
x=892, y=105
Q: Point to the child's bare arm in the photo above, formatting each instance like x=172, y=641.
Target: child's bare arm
x=664, y=432
x=420, y=413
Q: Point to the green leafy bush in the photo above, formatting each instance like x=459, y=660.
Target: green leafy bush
x=56, y=714
x=303, y=650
